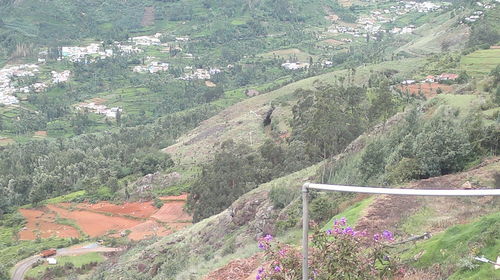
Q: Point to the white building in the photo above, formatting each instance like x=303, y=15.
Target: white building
x=295, y=65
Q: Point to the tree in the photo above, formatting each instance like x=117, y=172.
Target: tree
x=442, y=147
x=234, y=171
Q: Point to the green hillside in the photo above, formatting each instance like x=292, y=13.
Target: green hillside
x=231, y=106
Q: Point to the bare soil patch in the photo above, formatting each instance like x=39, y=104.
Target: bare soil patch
x=333, y=42
x=429, y=90
x=134, y=209
x=240, y=269
x=389, y=212
x=5, y=141
x=148, y=229
x=182, y=197
x=41, y=223
x=98, y=100
x=41, y=133
x=95, y=224
x=141, y=218
x=172, y=212
x=210, y=84
x=148, y=18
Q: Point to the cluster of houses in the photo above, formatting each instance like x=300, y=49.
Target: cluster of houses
x=373, y=23
x=152, y=67
x=7, y=88
x=478, y=14
x=153, y=40
x=434, y=79
x=199, y=74
x=295, y=65
x=79, y=54
x=100, y=109
x=60, y=77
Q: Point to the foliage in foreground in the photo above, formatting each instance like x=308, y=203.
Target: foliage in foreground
x=337, y=253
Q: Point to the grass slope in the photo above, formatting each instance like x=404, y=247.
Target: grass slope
x=457, y=245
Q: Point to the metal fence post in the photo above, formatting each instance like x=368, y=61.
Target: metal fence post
x=357, y=189
x=305, y=231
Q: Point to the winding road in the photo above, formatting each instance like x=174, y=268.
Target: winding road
x=23, y=266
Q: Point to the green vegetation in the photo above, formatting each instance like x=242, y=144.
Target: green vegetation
x=19, y=250
x=352, y=214
x=324, y=123
x=481, y=62
x=67, y=263
x=456, y=247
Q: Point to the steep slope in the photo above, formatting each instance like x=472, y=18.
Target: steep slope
x=243, y=122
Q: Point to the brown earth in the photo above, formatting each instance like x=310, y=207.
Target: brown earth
x=41, y=223
x=6, y=141
x=429, y=90
x=333, y=42
x=134, y=209
x=210, y=84
x=141, y=218
x=97, y=100
x=172, y=211
x=389, y=212
x=41, y=133
x=95, y=224
x=148, y=18
x=175, y=197
x=240, y=269
x=148, y=229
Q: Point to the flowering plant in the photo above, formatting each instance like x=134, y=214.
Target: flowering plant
x=337, y=253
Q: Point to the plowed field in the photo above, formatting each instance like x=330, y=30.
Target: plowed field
x=142, y=219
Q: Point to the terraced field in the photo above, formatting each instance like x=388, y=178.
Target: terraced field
x=481, y=62
x=139, y=219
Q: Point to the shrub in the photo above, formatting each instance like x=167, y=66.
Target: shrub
x=158, y=203
x=338, y=253
x=281, y=196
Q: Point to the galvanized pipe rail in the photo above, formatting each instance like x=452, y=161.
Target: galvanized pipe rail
x=356, y=189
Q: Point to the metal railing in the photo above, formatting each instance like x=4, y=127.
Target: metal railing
x=356, y=189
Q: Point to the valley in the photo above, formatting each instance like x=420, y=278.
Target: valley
x=178, y=133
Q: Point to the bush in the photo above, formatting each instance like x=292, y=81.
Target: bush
x=158, y=203
x=338, y=253
x=281, y=196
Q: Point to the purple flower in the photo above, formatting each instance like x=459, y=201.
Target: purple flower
x=376, y=237
x=329, y=232
x=343, y=221
x=348, y=230
x=261, y=270
x=258, y=277
x=388, y=235
x=262, y=246
x=268, y=238
x=277, y=268
x=282, y=252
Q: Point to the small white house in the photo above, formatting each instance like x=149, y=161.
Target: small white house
x=52, y=261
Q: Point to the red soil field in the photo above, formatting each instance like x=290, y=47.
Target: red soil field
x=42, y=222
x=429, y=90
x=141, y=218
x=148, y=229
x=172, y=212
x=134, y=209
x=95, y=224
x=175, y=197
